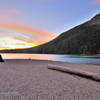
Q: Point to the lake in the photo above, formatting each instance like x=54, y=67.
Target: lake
x=64, y=58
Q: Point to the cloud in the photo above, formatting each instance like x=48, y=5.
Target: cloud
x=28, y=30
x=14, y=23
x=13, y=11
x=13, y=43
x=96, y=2
x=14, y=28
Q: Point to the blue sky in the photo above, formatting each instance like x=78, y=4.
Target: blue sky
x=53, y=16
x=50, y=16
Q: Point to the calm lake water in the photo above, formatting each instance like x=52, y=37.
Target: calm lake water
x=63, y=58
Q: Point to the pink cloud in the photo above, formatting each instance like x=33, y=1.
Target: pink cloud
x=14, y=11
x=96, y=2
x=16, y=24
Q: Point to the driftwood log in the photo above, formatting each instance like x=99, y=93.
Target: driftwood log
x=92, y=75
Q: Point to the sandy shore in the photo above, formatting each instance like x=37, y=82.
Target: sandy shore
x=31, y=80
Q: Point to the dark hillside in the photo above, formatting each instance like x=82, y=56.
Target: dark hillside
x=83, y=39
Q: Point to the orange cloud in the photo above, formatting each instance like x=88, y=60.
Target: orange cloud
x=45, y=37
x=96, y=2
x=13, y=11
x=14, y=23
x=25, y=29
x=10, y=23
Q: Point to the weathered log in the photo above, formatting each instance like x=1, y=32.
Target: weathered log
x=92, y=75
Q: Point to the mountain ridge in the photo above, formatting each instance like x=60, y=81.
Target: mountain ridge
x=82, y=39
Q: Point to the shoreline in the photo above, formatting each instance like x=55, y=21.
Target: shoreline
x=55, y=61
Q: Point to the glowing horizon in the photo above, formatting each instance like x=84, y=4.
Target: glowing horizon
x=18, y=36
x=11, y=43
x=8, y=42
x=23, y=39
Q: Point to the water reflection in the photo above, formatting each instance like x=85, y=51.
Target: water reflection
x=28, y=56
x=63, y=58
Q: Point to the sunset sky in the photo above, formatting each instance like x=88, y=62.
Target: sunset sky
x=28, y=23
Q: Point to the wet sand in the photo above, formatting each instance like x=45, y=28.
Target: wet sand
x=32, y=80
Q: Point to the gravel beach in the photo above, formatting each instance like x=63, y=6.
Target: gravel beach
x=32, y=80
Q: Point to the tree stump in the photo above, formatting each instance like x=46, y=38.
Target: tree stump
x=1, y=59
